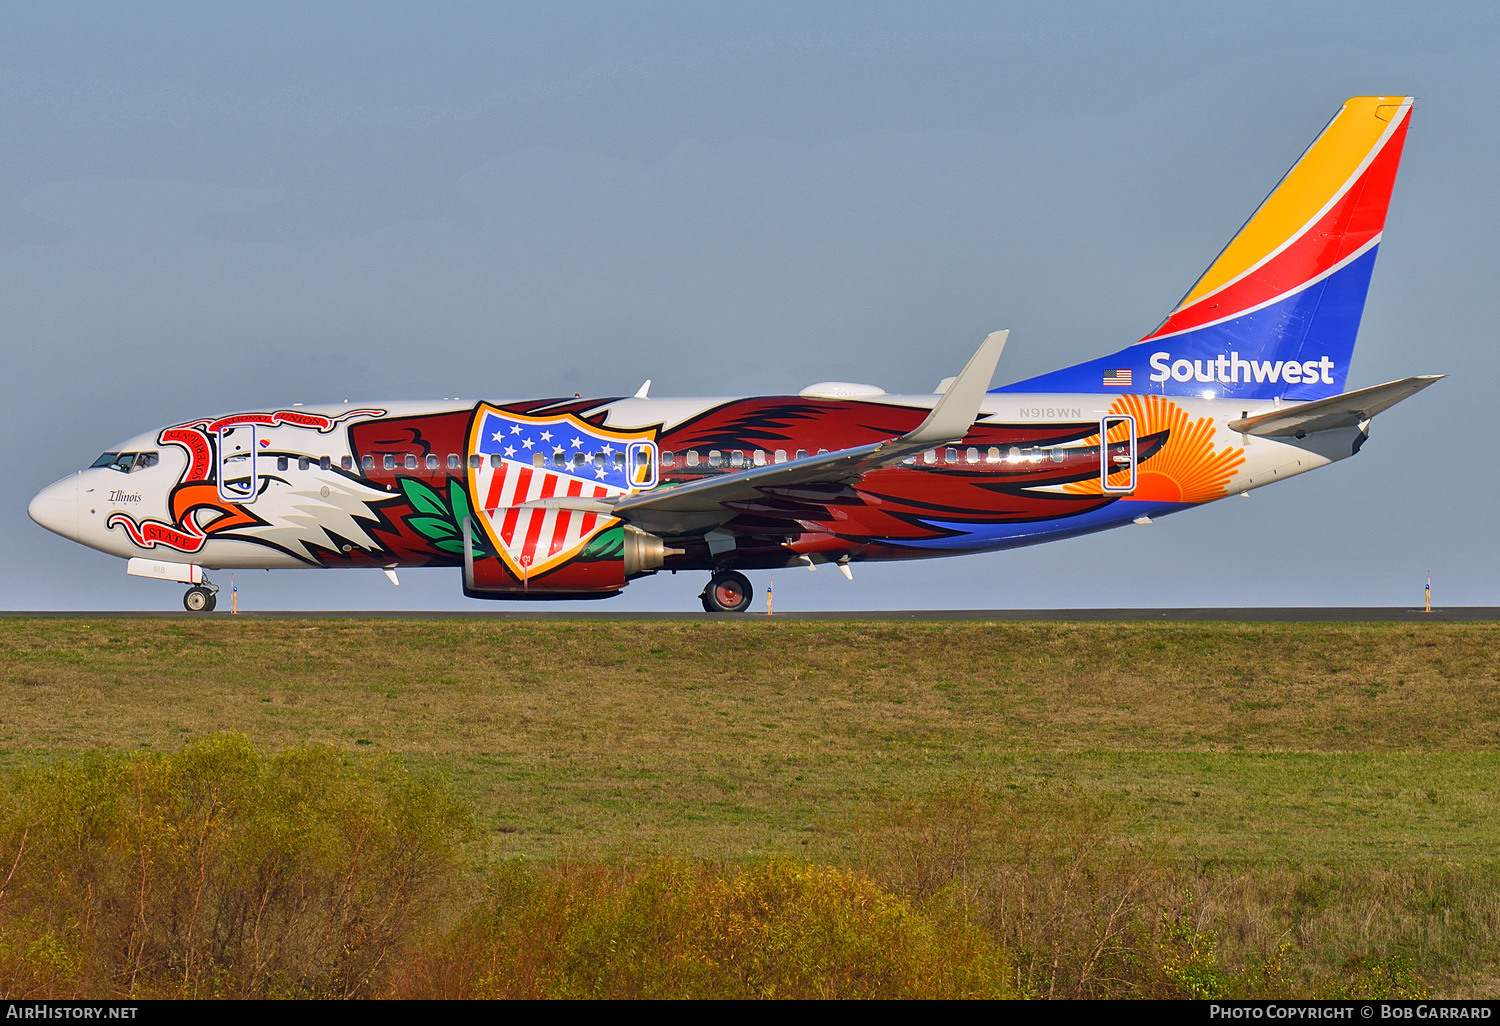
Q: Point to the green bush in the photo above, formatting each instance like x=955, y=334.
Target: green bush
x=778, y=929
x=221, y=872
x=217, y=871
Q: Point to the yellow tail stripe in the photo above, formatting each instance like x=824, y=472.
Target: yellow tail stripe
x=1307, y=188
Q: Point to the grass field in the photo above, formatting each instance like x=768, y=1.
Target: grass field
x=728, y=739
x=1269, y=747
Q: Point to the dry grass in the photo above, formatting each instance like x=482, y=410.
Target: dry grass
x=1082, y=914
x=444, y=686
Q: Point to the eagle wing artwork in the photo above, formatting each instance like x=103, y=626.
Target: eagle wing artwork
x=1241, y=385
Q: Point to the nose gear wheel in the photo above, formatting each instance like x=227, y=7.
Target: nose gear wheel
x=199, y=600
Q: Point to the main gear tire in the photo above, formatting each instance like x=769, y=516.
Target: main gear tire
x=198, y=600
x=728, y=591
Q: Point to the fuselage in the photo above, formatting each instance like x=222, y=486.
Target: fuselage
x=389, y=484
x=1241, y=385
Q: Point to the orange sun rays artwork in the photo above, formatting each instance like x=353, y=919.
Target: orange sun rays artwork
x=1186, y=469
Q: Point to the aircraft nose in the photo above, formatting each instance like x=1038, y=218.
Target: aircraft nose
x=56, y=508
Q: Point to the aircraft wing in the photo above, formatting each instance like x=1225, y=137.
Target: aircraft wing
x=1347, y=410
x=712, y=499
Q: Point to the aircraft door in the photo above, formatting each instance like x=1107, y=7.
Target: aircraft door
x=641, y=464
x=1117, y=453
x=238, y=481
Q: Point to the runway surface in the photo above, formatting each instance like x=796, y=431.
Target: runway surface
x=1263, y=614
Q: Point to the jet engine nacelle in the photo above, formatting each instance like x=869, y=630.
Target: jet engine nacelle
x=619, y=555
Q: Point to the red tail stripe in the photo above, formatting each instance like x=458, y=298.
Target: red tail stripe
x=1353, y=221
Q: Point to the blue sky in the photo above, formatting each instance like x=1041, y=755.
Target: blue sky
x=210, y=207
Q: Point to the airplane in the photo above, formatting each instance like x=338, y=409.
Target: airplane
x=1240, y=386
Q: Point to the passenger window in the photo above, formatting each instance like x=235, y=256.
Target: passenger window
x=390, y=462
x=642, y=458
x=281, y=463
x=1014, y=456
x=620, y=459
x=496, y=459
x=1059, y=455
x=432, y=461
x=780, y=455
x=538, y=459
x=475, y=460
x=599, y=459
x=692, y=457
x=737, y=458
x=367, y=463
x=453, y=461
x=802, y=454
x=347, y=462
x=950, y=456
x=579, y=459
x=715, y=458
x=993, y=456
x=930, y=456
x=106, y=460
x=972, y=455
x=668, y=458
x=559, y=459
x=822, y=452
x=324, y=463
x=303, y=462
x=760, y=457
x=411, y=461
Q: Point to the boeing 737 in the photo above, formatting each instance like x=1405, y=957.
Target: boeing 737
x=1242, y=385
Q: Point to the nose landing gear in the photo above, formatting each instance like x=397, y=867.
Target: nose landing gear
x=728, y=591
x=201, y=598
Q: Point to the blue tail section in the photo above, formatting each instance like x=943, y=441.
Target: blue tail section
x=1277, y=313
x=1297, y=348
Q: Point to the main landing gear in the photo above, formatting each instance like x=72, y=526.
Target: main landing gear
x=728, y=591
x=200, y=598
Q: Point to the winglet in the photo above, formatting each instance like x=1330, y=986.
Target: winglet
x=957, y=410
x=644, y=392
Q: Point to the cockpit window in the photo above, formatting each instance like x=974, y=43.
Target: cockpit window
x=126, y=462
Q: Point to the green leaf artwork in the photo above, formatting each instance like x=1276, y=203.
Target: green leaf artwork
x=605, y=545
x=440, y=521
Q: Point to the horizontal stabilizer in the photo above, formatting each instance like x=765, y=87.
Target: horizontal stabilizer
x=1347, y=410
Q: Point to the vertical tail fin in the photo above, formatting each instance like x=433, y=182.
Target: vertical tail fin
x=1276, y=314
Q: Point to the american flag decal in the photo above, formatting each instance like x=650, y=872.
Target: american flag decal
x=522, y=459
x=1117, y=378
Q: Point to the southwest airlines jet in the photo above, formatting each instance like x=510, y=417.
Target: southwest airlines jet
x=1242, y=385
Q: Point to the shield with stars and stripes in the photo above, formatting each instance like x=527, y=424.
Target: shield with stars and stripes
x=517, y=459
